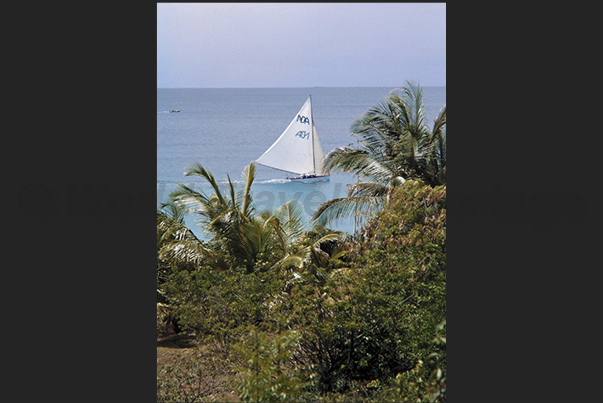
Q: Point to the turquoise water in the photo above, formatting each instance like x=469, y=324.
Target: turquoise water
x=226, y=128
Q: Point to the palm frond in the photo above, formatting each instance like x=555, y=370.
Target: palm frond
x=233, y=194
x=225, y=216
x=248, y=177
x=191, y=200
x=378, y=128
x=368, y=189
x=196, y=169
x=346, y=159
x=360, y=162
x=167, y=229
x=258, y=238
x=402, y=112
x=295, y=259
x=290, y=217
x=175, y=242
x=381, y=171
x=439, y=137
x=440, y=121
x=336, y=209
x=414, y=95
x=204, y=207
x=173, y=210
x=333, y=236
x=184, y=252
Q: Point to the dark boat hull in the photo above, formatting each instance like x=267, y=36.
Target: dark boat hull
x=318, y=178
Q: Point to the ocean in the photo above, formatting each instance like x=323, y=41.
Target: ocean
x=224, y=129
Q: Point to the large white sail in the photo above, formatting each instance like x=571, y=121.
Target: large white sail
x=298, y=149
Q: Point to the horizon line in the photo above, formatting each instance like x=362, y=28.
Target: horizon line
x=314, y=86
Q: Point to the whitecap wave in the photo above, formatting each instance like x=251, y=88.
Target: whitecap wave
x=268, y=181
x=258, y=182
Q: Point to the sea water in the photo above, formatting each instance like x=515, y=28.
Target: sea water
x=224, y=129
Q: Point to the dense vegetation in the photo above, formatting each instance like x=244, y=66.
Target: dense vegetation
x=283, y=314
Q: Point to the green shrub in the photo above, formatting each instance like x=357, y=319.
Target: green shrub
x=379, y=319
x=268, y=372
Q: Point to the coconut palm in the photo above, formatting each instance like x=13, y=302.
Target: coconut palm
x=220, y=215
x=394, y=145
x=240, y=236
x=175, y=242
x=177, y=246
x=269, y=235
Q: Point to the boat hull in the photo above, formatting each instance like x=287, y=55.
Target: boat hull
x=322, y=178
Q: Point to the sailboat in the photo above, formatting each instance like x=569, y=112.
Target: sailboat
x=298, y=149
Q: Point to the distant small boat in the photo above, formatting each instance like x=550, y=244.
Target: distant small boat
x=175, y=110
x=298, y=149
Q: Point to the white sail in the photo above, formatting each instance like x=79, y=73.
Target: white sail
x=318, y=155
x=298, y=149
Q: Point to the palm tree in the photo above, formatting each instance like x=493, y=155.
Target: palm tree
x=395, y=145
x=240, y=237
x=176, y=244
x=269, y=235
x=222, y=216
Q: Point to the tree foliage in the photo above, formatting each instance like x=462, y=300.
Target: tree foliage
x=395, y=144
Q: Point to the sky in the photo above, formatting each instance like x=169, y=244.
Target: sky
x=258, y=45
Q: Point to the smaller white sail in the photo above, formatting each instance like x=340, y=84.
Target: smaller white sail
x=298, y=149
x=318, y=155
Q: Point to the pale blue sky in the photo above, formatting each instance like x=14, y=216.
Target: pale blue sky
x=300, y=44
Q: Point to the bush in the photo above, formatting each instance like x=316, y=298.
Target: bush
x=215, y=303
x=268, y=372
x=379, y=319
